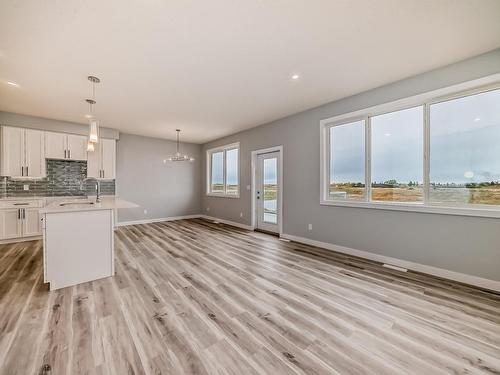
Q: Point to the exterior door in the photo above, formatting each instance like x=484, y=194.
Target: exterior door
x=267, y=191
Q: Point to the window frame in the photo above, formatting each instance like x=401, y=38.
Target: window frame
x=224, y=149
x=478, y=86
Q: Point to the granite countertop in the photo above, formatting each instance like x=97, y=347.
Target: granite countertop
x=72, y=205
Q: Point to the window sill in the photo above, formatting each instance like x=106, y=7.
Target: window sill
x=221, y=195
x=418, y=207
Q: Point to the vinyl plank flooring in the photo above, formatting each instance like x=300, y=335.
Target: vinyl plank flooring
x=196, y=297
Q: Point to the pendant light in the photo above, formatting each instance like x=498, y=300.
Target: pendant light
x=178, y=156
x=93, y=122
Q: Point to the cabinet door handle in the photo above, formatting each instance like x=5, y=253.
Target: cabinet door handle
x=22, y=171
x=19, y=214
x=27, y=173
x=64, y=154
x=69, y=154
x=24, y=213
x=103, y=173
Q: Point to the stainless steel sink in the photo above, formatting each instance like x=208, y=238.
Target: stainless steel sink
x=74, y=203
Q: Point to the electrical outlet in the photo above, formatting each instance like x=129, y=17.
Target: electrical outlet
x=145, y=212
x=310, y=227
x=208, y=209
x=26, y=187
x=248, y=187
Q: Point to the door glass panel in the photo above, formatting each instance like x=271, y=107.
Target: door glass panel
x=271, y=190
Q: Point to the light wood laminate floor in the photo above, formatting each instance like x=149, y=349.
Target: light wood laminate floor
x=194, y=297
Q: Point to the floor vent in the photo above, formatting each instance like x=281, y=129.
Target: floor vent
x=395, y=267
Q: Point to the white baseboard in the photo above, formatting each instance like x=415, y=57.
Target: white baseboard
x=228, y=222
x=157, y=220
x=435, y=271
x=21, y=239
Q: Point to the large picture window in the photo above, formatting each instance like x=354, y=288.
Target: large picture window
x=397, y=156
x=441, y=155
x=347, y=161
x=465, y=150
x=223, y=171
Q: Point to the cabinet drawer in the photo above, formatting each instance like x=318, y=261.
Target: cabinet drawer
x=21, y=204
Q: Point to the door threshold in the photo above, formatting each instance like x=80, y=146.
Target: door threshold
x=267, y=232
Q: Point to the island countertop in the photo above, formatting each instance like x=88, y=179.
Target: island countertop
x=72, y=205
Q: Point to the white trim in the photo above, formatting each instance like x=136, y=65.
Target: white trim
x=227, y=222
x=418, y=207
x=20, y=239
x=430, y=270
x=453, y=92
x=447, y=93
x=223, y=149
x=157, y=220
x=254, y=155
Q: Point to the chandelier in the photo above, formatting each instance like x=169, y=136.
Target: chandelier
x=178, y=156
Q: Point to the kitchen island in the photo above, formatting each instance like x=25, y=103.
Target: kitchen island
x=78, y=244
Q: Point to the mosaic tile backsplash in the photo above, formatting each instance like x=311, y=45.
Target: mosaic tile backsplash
x=63, y=179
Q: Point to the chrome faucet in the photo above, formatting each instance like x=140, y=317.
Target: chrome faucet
x=97, y=187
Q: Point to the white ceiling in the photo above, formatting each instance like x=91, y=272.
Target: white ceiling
x=215, y=67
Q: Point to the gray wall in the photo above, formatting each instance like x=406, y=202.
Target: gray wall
x=163, y=189
x=463, y=244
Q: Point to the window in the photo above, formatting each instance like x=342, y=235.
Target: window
x=393, y=158
x=397, y=156
x=464, y=150
x=347, y=161
x=223, y=171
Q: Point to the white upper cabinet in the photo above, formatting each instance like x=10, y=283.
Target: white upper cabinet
x=65, y=146
x=22, y=152
x=108, y=155
x=102, y=162
x=55, y=145
x=35, y=161
x=77, y=147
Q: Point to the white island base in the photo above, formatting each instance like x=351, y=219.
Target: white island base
x=78, y=247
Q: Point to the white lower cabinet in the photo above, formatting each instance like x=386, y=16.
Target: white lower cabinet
x=10, y=223
x=20, y=219
x=31, y=222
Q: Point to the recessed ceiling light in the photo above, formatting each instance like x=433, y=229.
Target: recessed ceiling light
x=477, y=119
x=295, y=77
x=10, y=83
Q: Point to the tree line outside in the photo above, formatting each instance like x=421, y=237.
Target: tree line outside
x=487, y=192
